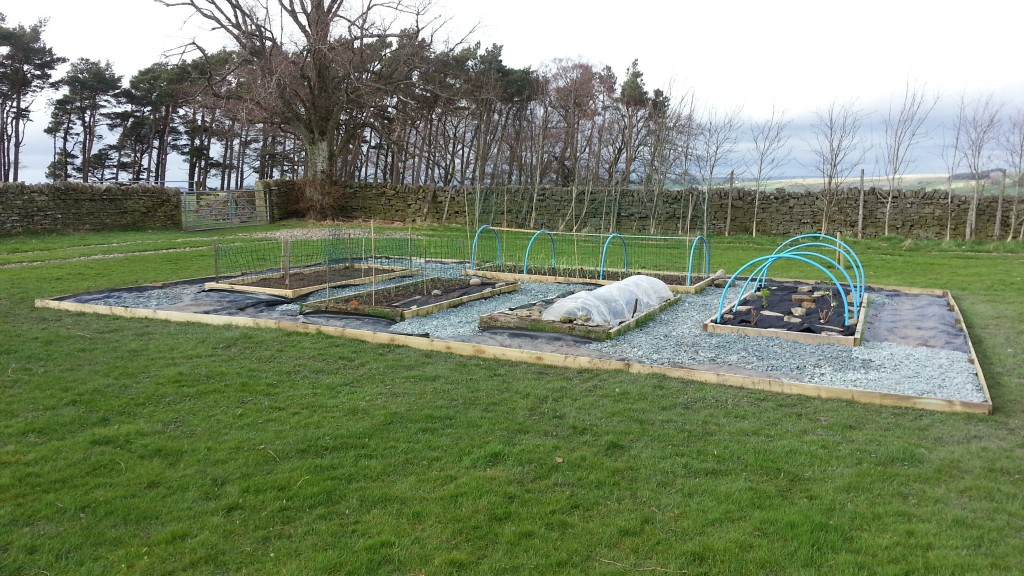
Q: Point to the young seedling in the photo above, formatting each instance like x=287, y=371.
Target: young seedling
x=824, y=314
x=765, y=293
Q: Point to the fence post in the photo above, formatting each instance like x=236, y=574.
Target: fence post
x=860, y=209
x=286, y=264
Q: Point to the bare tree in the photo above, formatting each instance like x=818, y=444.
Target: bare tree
x=903, y=131
x=671, y=134
x=320, y=61
x=979, y=131
x=1012, y=143
x=768, y=154
x=837, y=150
x=952, y=157
x=715, y=143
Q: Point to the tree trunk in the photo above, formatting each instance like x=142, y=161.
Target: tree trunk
x=972, y=213
x=19, y=133
x=757, y=205
x=319, y=159
x=949, y=208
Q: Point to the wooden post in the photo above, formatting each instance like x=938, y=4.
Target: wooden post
x=999, y=212
x=860, y=210
x=839, y=253
x=728, y=209
x=286, y=262
x=373, y=269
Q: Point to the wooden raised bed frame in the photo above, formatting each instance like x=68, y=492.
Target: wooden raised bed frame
x=238, y=286
x=802, y=337
x=497, y=320
x=396, y=314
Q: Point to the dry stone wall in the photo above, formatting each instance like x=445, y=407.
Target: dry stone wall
x=70, y=206
x=916, y=213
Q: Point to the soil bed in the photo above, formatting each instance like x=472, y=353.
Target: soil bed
x=821, y=311
x=584, y=274
x=410, y=299
x=297, y=279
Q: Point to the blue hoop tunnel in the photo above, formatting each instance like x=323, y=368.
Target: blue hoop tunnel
x=625, y=254
x=472, y=261
x=526, y=259
x=767, y=261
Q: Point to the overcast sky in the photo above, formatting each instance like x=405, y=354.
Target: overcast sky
x=796, y=55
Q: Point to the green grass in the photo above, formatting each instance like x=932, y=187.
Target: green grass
x=149, y=447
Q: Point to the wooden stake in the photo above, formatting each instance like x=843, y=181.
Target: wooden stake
x=860, y=209
x=839, y=252
x=286, y=262
x=373, y=268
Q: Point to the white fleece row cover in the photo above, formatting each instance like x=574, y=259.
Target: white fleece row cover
x=613, y=304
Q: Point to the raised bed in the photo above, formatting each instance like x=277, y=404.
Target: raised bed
x=676, y=282
x=300, y=282
x=805, y=313
x=529, y=317
x=404, y=301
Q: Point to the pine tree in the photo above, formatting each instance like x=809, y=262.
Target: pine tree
x=26, y=68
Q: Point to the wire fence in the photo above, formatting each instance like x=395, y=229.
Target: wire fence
x=338, y=258
x=589, y=256
x=346, y=257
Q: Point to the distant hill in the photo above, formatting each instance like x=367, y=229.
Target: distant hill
x=908, y=182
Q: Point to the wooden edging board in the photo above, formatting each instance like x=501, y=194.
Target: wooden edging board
x=695, y=289
x=292, y=294
x=546, y=358
x=802, y=337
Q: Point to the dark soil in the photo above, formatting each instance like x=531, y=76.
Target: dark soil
x=780, y=300
x=392, y=301
x=670, y=278
x=418, y=294
x=298, y=279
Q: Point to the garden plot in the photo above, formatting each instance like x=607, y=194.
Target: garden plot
x=808, y=313
x=404, y=301
x=891, y=367
x=598, y=314
x=295, y=283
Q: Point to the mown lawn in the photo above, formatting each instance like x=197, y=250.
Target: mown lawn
x=149, y=447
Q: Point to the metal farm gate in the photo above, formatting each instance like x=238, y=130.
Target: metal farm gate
x=224, y=209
